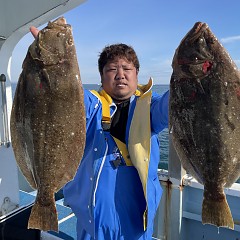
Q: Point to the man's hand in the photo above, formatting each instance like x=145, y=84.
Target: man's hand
x=34, y=31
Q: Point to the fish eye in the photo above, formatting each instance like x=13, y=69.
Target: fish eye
x=212, y=40
x=60, y=34
x=201, y=40
x=70, y=41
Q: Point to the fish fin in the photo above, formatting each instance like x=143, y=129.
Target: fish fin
x=43, y=217
x=217, y=213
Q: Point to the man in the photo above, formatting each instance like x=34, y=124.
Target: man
x=116, y=191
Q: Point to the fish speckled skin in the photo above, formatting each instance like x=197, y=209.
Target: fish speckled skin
x=204, y=114
x=48, y=119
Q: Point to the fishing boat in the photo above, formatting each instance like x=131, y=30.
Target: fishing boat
x=179, y=213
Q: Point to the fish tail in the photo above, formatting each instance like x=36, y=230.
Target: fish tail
x=217, y=212
x=43, y=217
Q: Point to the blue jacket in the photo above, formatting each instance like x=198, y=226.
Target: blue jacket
x=111, y=202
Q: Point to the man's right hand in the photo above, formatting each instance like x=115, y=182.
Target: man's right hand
x=34, y=31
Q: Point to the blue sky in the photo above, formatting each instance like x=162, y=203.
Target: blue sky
x=153, y=27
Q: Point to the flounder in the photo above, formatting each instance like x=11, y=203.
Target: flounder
x=48, y=119
x=204, y=118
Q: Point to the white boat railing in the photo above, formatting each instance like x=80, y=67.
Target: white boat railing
x=179, y=213
x=4, y=134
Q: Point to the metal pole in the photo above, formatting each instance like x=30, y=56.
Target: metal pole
x=5, y=141
x=176, y=173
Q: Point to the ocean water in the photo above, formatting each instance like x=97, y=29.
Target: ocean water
x=163, y=136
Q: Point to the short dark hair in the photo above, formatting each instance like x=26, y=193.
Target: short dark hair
x=117, y=50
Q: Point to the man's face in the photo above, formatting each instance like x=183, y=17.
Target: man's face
x=119, y=79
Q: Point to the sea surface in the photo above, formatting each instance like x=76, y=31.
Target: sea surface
x=163, y=136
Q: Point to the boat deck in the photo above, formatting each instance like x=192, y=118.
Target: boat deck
x=178, y=215
x=66, y=219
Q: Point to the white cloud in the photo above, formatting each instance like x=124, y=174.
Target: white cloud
x=230, y=39
x=159, y=69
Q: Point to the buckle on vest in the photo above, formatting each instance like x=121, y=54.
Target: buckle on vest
x=106, y=125
x=117, y=162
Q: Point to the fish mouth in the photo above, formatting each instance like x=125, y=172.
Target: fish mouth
x=197, y=31
x=195, y=45
x=58, y=29
x=60, y=21
x=194, y=56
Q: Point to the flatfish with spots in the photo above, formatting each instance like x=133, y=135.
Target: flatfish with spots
x=204, y=115
x=48, y=119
